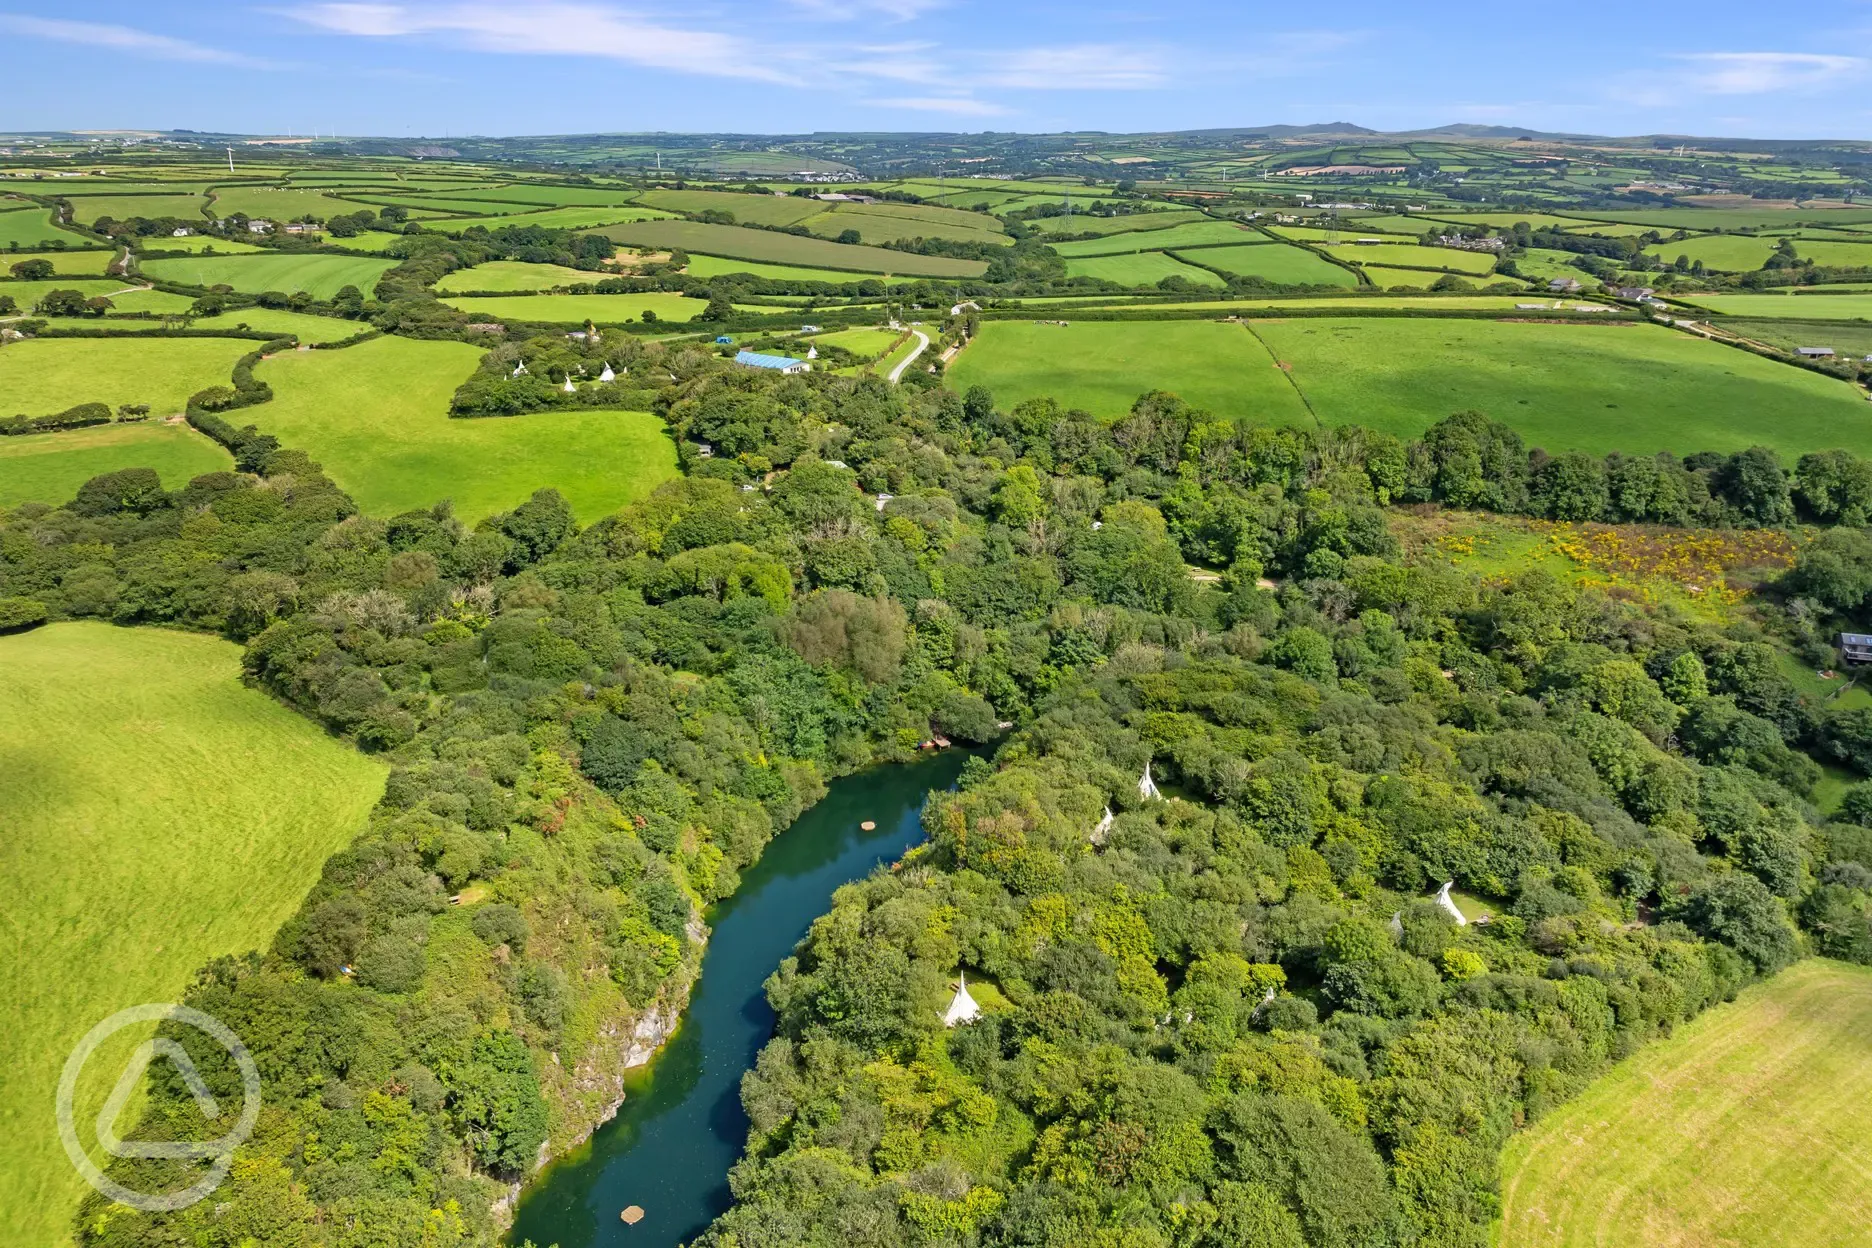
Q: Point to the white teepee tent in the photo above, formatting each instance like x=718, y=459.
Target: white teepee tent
x=569, y=387
x=520, y=369
x=607, y=375
x=1104, y=826
x=1443, y=899
x=963, y=1009
x=1147, y=787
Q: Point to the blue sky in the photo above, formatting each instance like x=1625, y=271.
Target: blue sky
x=433, y=67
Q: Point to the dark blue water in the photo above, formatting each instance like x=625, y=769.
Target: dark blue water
x=681, y=1126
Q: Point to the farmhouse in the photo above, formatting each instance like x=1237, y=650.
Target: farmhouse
x=779, y=363
x=1856, y=647
x=302, y=227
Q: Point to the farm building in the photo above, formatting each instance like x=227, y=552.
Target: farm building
x=1633, y=292
x=1566, y=285
x=1814, y=353
x=1856, y=647
x=780, y=363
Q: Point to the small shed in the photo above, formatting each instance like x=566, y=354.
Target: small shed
x=1856, y=647
x=1814, y=353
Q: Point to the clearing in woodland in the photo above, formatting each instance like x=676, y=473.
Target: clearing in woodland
x=49, y=467
x=159, y=814
x=376, y=416
x=1747, y=1127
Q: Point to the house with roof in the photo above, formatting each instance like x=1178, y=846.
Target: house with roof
x=1856, y=648
x=778, y=363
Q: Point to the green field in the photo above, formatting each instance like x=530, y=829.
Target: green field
x=1505, y=220
x=576, y=218
x=195, y=244
x=1414, y=255
x=1856, y=307
x=737, y=243
x=276, y=204
x=67, y=263
x=376, y=416
x=46, y=375
x=1746, y=1127
x=869, y=343
x=1421, y=279
x=26, y=294
x=577, y=309
x=1726, y=253
x=1193, y=234
x=302, y=325
x=1146, y=268
x=747, y=209
x=543, y=196
x=49, y=467
x=374, y=241
x=1853, y=341
x=1102, y=366
x=145, y=299
x=891, y=222
x=88, y=208
x=1273, y=262
x=1273, y=303
x=159, y=813
x=1115, y=225
x=1835, y=254
x=715, y=266
x=320, y=276
x=514, y=275
x=1598, y=388
x=29, y=228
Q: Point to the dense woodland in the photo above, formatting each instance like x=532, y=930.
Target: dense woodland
x=1232, y=1017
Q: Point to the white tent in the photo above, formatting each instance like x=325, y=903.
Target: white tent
x=1104, y=826
x=607, y=375
x=1147, y=787
x=1443, y=899
x=569, y=387
x=963, y=1009
x=812, y=353
x=520, y=369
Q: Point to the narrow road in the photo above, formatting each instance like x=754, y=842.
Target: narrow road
x=908, y=360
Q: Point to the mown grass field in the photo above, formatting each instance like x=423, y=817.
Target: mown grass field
x=159, y=813
x=46, y=375
x=1116, y=225
x=1192, y=234
x=1747, y=1127
x=28, y=293
x=195, y=244
x=320, y=276
x=31, y=227
x=303, y=325
x=1854, y=307
x=715, y=266
x=870, y=343
x=890, y=222
x=737, y=243
x=1146, y=268
x=1421, y=279
x=1414, y=255
x=514, y=275
x=574, y=218
x=750, y=209
x=1725, y=253
x=543, y=196
x=64, y=263
x=1273, y=262
x=1598, y=388
x=49, y=467
x=279, y=204
x=1103, y=366
x=576, y=309
x=376, y=416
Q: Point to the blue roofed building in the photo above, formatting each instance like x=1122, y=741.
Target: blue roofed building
x=779, y=363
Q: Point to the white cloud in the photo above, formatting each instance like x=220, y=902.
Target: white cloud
x=852, y=10
x=560, y=29
x=1759, y=73
x=1077, y=67
x=121, y=39
x=957, y=106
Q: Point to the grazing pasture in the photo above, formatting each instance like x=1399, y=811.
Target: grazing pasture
x=542, y=196
x=1836, y=254
x=280, y=204
x=1146, y=268
x=1192, y=234
x=889, y=223
x=1597, y=388
x=159, y=814
x=736, y=243
x=376, y=416
x=1726, y=253
x=1745, y=1127
x=504, y=275
x=195, y=244
x=577, y=309
x=320, y=276
x=30, y=228
x=46, y=375
x=1507, y=219
x=1116, y=225
x=302, y=325
x=1736, y=218
x=88, y=208
x=1103, y=366
x=1272, y=262
x=867, y=342
x=49, y=467
x=1854, y=307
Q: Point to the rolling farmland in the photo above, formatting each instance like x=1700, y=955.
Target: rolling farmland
x=735, y=243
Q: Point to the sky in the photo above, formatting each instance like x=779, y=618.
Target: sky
x=455, y=67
